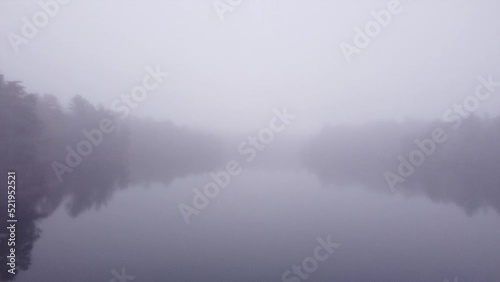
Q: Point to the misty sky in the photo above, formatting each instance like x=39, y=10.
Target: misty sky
x=228, y=75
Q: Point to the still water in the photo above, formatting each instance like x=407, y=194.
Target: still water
x=261, y=225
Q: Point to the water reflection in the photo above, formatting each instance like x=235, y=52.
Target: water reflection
x=35, y=130
x=462, y=170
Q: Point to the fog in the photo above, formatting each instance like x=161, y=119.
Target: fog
x=200, y=141
x=228, y=75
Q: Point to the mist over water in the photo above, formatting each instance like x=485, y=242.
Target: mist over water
x=124, y=199
x=188, y=141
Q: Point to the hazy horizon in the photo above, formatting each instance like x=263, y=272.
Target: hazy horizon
x=264, y=54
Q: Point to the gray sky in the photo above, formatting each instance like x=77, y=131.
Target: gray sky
x=228, y=75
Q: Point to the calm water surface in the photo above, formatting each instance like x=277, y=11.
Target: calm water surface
x=259, y=226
